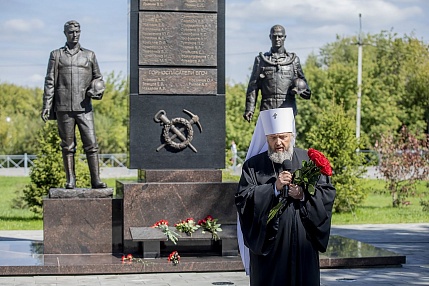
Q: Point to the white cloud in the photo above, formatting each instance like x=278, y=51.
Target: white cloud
x=23, y=25
x=316, y=12
x=36, y=79
x=26, y=40
x=310, y=24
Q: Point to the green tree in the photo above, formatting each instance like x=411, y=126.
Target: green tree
x=48, y=169
x=18, y=109
x=20, y=121
x=111, y=116
x=395, y=76
x=237, y=129
x=332, y=133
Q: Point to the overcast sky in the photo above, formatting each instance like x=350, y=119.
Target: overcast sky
x=30, y=29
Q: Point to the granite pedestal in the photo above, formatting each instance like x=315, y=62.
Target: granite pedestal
x=82, y=221
x=175, y=195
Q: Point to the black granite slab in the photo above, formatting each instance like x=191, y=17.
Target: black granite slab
x=177, y=175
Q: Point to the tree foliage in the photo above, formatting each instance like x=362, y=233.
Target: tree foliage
x=395, y=75
x=19, y=106
x=111, y=116
x=237, y=129
x=395, y=80
x=334, y=136
x=20, y=120
x=404, y=162
x=48, y=169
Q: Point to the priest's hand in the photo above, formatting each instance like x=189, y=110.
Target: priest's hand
x=284, y=179
x=295, y=192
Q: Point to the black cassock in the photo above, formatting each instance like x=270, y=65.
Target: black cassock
x=286, y=251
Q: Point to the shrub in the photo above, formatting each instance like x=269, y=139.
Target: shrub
x=404, y=162
x=333, y=134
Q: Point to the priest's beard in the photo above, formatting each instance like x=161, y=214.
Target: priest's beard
x=279, y=157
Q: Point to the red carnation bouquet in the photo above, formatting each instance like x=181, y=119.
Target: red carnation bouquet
x=307, y=176
x=210, y=224
x=188, y=226
x=174, y=258
x=163, y=226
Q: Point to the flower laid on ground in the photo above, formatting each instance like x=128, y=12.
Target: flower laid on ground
x=171, y=235
x=210, y=224
x=307, y=176
x=129, y=258
x=174, y=258
x=187, y=226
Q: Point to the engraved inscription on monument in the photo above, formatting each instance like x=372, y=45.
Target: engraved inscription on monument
x=189, y=39
x=183, y=5
x=177, y=81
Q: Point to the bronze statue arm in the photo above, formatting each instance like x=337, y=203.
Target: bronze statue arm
x=306, y=94
x=49, y=87
x=252, y=91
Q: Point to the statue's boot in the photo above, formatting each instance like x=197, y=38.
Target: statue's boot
x=68, y=160
x=94, y=171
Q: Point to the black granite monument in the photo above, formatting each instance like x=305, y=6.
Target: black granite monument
x=177, y=84
x=177, y=116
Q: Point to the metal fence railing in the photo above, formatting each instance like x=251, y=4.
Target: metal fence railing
x=26, y=161
x=17, y=161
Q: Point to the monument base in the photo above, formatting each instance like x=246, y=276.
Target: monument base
x=175, y=195
x=82, y=221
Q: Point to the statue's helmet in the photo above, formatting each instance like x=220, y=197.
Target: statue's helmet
x=299, y=85
x=96, y=89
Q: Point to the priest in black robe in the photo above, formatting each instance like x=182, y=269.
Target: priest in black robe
x=285, y=250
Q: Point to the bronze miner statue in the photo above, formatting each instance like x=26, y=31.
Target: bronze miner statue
x=278, y=75
x=72, y=79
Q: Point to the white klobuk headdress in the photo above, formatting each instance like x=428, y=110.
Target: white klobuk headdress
x=271, y=121
x=279, y=120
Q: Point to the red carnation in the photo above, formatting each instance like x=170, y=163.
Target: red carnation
x=321, y=161
x=307, y=176
x=174, y=258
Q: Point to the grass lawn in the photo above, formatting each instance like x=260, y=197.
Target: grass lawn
x=22, y=219
x=377, y=207
x=19, y=219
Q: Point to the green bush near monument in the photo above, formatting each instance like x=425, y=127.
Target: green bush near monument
x=333, y=135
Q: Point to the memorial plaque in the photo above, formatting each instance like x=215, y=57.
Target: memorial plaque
x=177, y=81
x=183, y=5
x=148, y=146
x=184, y=39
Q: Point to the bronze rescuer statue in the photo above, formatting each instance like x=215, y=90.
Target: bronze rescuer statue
x=72, y=79
x=278, y=75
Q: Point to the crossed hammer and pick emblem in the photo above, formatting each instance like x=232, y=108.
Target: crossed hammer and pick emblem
x=177, y=128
